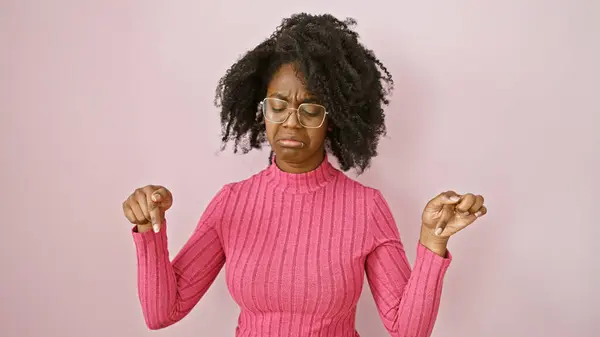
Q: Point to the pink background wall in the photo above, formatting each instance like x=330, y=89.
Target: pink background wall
x=495, y=97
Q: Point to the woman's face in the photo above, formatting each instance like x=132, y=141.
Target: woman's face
x=297, y=148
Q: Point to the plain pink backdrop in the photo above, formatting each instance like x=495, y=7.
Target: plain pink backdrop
x=493, y=97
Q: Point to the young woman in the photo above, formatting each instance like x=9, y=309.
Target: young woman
x=298, y=237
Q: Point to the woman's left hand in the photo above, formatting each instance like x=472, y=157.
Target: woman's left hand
x=450, y=212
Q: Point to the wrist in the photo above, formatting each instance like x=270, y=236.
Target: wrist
x=435, y=243
x=143, y=228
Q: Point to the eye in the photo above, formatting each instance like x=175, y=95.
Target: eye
x=312, y=109
x=276, y=105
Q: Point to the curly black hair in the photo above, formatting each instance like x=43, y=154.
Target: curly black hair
x=338, y=70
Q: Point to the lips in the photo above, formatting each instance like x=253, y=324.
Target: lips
x=291, y=142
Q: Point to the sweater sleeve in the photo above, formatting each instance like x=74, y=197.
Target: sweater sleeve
x=169, y=290
x=407, y=300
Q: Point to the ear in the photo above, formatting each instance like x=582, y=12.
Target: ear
x=259, y=107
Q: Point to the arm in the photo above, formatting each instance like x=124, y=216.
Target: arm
x=407, y=300
x=169, y=290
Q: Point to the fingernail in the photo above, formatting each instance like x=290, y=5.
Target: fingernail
x=156, y=228
x=438, y=231
x=155, y=197
x=478, y=214
x=465, y=214
x=454, y=198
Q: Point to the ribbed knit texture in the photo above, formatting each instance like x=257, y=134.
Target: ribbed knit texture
x=296, y=248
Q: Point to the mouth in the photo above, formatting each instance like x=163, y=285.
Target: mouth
x=291, y=143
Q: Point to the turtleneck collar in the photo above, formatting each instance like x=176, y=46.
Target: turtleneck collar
x=303, y=182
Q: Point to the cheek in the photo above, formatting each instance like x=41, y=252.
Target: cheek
x=271, y=130
x=317, y=137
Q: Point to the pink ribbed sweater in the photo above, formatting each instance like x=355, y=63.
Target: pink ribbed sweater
x=296, y=248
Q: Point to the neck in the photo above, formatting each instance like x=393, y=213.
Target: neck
x=306, y=166
x=305, y=179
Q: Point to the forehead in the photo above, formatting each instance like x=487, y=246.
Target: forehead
x=288, y=81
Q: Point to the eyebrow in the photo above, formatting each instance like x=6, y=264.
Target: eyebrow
x=286, y=98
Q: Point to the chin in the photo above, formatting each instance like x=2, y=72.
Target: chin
x=293, y=155
x=290, y=154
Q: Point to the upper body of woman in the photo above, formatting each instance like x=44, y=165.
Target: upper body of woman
x=297, y=238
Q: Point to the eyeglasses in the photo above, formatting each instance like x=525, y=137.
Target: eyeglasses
x=309, y=115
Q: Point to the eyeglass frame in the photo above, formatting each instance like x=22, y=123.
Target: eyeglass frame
x=297, y=110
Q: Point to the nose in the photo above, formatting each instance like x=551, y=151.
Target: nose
x=292, y=120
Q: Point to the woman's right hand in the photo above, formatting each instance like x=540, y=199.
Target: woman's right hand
x=146, y=207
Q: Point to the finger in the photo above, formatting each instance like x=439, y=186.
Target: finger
x=482, y=211
x=151, y=205
x=447, y=213
x=158, y=201
x=141, y=199
x=466, y=219
x=163, y=197
x=129, y=213
x=465, y=203
x=446, y=198
x=140, y=218
x=476, y=205
x=469, y=218
x=156, y=215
